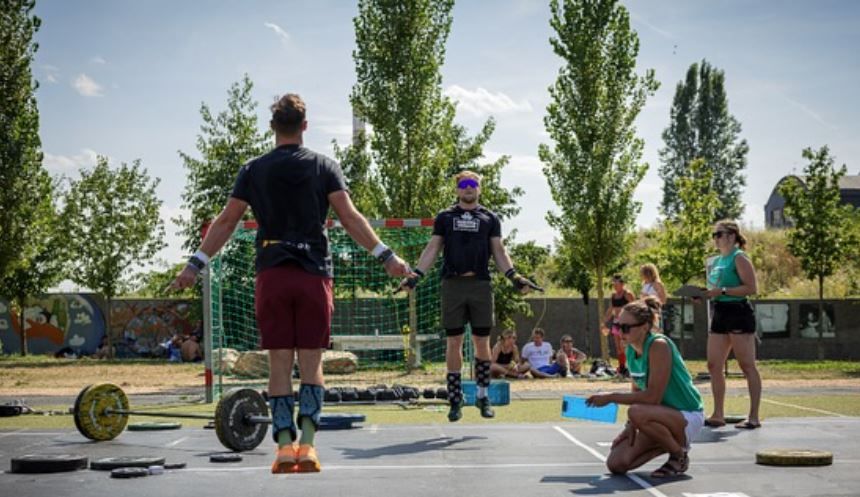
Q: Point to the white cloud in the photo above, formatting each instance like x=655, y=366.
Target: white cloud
x=482, y=101
x=86, y=86
x=98, y=60
x=283, y=35
x=809, y=112
x=66, y=164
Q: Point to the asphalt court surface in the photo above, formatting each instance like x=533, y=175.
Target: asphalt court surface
x=534, y=460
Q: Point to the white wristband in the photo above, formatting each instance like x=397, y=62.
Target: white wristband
x=379, y=249
x=202, y=256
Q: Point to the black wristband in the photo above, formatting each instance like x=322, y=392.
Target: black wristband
x=196, y=263
x=385, y=255
x=510, y=273
x=419, y=272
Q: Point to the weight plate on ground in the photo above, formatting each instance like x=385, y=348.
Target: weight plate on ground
x=231, y=424
x=174, y=465
x=131, y=472
x=48, y=463
x=109, y=463
x=8, y=411
x=153, y=426
x=339, y=421
x=794, y=457
x=429, y=393
x=225, y=457
x=90, y=416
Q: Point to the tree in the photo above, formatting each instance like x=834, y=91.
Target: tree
x=226, y=142
x=594, y=166
x=702, y=127
x=405, y=168
x=684, y=240
x=822, y=236
x=41, y=255
x=415, y=147
x=571, y=273
x=529, y=256
x=112, y=224
x=20, y=154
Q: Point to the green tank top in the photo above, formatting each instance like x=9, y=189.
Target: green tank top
x=680, y=392
x=723, y=273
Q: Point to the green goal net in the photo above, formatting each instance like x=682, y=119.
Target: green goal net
x=374, y=329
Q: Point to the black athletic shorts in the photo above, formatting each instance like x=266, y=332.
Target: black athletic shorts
x=733, y=317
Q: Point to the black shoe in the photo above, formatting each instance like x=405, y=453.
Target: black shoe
x=455, y=413
x=486, y=409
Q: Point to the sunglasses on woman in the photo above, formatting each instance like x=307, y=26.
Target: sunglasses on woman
x=625, y=328
x=718, y=234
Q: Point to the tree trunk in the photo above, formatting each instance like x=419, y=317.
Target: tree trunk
x=821, y=318
x=604, y=342
x=107, y=327
x=22, y=322
x=587, y=326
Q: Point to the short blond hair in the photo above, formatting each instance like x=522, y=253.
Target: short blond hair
x=467, y=174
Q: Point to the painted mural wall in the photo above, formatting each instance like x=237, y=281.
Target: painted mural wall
x=76, y=323
x=73, y=321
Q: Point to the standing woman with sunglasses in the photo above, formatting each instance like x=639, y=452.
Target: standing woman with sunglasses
x=731, y=279
x=666, y=410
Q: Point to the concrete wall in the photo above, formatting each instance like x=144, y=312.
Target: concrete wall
x=784, y=335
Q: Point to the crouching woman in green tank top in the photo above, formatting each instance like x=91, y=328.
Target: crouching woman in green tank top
x=666, y=409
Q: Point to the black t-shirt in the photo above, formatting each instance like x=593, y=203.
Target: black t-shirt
x=467, y=236
x=288, y=190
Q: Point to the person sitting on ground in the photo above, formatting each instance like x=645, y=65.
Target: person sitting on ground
x=190, y=349
x=104, y=351
x=538, y=354
x=506, y=357
x=666, y=410
x=569, y=358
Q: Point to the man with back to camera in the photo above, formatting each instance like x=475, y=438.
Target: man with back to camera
x=469, y=234
x=289, y=190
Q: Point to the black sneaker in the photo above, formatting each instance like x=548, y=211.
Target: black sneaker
x=486, y=409
x=455, y=413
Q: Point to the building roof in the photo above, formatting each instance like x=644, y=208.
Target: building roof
x=849, y=182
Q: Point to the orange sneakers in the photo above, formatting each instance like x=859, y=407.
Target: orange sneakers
x=307, y=459
x=286, y=459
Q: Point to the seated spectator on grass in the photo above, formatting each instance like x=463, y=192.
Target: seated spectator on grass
x=505, y=357
x=569, y=358
x=538, y=354
x=190, y=349
x=104, y=351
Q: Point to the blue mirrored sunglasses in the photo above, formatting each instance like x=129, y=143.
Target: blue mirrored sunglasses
x=467, y=183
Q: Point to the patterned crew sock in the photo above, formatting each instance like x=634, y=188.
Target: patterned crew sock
x=283, y=427
x=455, y=387
x=482, y=377
x=310, y=409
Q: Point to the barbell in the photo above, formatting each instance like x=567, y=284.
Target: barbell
x=241, y=417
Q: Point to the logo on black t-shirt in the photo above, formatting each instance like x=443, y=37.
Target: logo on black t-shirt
x=467, y=222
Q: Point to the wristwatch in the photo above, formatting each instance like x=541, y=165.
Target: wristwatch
x=723, y=291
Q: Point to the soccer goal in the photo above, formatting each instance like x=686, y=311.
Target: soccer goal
x=384, y=329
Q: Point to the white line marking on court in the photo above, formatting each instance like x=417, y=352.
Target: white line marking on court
x=6, y=434
x=802, y=408
x=604, y=444
x=639, y=481
x=373, y=428
x=176, y=442
x=409, y=467
x=718, y=494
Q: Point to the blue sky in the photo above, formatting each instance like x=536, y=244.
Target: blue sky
x=126, y=79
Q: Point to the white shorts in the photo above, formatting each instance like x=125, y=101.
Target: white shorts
x=695, y=422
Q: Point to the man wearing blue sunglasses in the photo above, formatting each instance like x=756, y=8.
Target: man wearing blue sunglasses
x=467, y=234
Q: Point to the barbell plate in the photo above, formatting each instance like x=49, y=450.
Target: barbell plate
x=90, y=416
x=234, y=430
x=794, y=457
x=130, y=472
x=339, y=421
x=109, y=463
x=48, y=463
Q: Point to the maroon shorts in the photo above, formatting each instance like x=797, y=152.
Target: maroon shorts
x=293, y=308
